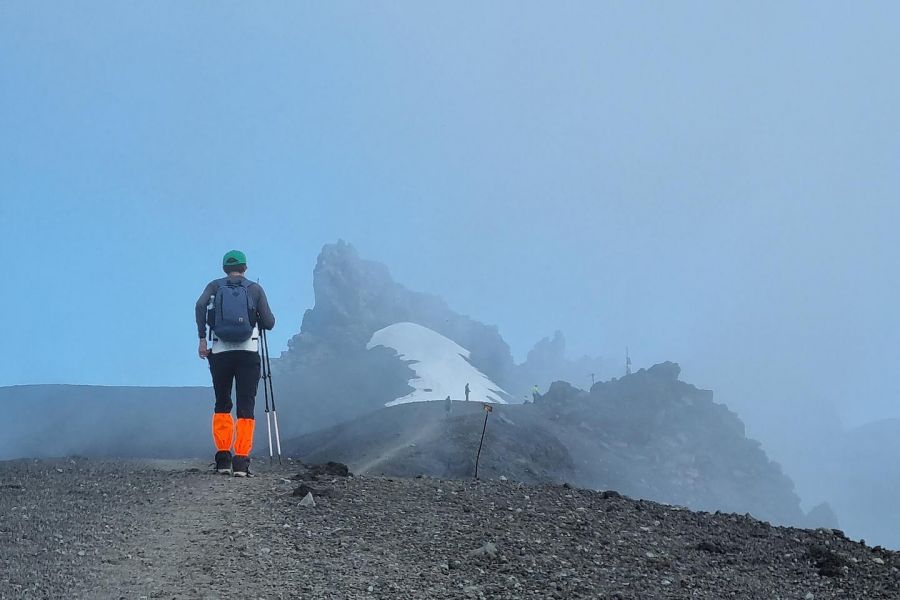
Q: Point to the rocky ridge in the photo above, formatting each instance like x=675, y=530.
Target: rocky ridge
x=648, y=435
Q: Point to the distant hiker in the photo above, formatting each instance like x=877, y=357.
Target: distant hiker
x=448, y=405
x=535, y=393
x=467, y=392
x=234, y=308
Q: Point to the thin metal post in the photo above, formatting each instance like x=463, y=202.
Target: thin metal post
x=487, y=412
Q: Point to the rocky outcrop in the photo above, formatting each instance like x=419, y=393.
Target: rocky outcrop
x=548, y=362
x=328, y=374
x=661, y=438
x=354, y=298
x=560, y=394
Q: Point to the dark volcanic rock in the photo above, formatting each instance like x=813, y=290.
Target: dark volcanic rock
x=712, y=547
x=330, y=468
x=561, y=392
x=828, y=562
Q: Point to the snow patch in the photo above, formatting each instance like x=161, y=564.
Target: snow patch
x=440, y=364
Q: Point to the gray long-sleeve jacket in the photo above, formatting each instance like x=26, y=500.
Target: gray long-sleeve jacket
x=265, y=318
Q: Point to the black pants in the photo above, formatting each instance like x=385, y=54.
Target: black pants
x=241, y=367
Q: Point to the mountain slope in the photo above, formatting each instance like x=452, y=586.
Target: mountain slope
x=648, y=435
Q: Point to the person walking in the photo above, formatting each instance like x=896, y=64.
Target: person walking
x=234, y=309
x=467, y=392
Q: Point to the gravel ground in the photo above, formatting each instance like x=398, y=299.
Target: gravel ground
x=74, y=528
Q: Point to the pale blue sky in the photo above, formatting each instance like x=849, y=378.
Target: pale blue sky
x=708, y=182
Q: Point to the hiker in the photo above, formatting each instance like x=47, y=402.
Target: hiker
x=535, y=393
x=448, y=405
x=234, y=308
x=467, y=392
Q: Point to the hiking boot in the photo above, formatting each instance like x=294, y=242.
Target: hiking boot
x=223, y=462
x=241, y=466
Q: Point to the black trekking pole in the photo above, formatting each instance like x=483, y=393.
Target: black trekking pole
x=265, y=380
x=487, y=412
x=265, y=344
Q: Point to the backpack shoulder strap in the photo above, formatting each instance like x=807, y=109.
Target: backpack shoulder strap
x=251, y=298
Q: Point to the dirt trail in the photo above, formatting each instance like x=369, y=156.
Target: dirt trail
x=172, y=529
x=140, y=529
x=427, y=432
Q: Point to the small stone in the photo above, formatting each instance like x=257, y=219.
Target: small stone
x=503, y=478
x=878, y=561
x=489, y=549
x=308, y=500
x=809, y=596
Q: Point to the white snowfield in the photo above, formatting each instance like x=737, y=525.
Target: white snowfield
x=441, y=366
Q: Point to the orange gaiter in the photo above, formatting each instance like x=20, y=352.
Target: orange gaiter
x=223, y=430
x=244, y=442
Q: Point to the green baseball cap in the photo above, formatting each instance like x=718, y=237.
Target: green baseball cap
x=233, y=258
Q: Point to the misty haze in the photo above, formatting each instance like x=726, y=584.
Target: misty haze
x=282, y=280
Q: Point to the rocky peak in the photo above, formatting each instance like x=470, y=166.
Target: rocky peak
x=357, y=297
x=666, y=370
